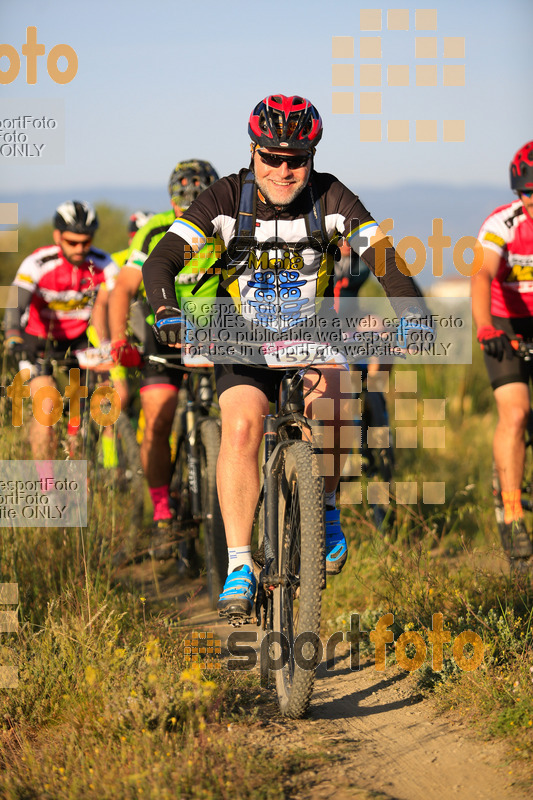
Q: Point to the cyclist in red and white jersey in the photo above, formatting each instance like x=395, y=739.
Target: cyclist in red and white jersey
x=502, y=304
x=59, y=291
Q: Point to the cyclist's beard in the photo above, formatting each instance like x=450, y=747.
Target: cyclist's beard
x=282, y=198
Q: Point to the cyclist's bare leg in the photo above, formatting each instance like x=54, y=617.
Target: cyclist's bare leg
x=43, y=439
x=242, y=410
x=122, y=389
x=512, y=401
x=513, y=405
x=336, y=414
x=159, y=405
x=375, y=368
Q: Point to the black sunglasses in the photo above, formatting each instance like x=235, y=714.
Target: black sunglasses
x=293, y=162
x=74, y=243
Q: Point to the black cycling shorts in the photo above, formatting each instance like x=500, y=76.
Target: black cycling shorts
x=510, y=370
x=153, y=374
x=39, y=352
x=266, y=379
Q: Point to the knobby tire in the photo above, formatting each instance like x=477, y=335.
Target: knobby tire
x=297, y=601
x=129, y=457
x=215, y=550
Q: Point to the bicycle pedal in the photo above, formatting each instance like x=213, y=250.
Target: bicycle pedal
x=236, y=619
x=162, y=551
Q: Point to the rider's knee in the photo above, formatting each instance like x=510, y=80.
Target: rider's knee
x=157, y=426
x=516, y=418
x=242, y=432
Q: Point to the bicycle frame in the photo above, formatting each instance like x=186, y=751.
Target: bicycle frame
x=195, y=412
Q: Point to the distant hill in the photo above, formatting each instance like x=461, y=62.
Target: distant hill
x=412, y=207
x=38, y=207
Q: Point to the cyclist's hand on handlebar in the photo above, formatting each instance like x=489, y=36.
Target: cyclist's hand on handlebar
x=168, y=324
x=413, y=327
x=495, y=342
x=14, y=343
x=125, y=354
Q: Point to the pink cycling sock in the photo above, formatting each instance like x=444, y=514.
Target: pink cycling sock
x=45, y=470
x=159, y=497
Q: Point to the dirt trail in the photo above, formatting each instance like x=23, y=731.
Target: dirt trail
x=384, y=738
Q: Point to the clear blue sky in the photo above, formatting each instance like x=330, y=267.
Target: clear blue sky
x=168, y=80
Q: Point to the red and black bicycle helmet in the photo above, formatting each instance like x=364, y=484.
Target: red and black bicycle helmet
x=521, y=169
x=279, y=121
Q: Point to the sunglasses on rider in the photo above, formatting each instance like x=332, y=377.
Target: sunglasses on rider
x=75, y=243
x=526, y=192
x=274, y=160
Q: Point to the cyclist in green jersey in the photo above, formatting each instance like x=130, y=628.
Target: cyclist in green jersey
x=136, y=221
x=118, y=374
x=159, y=389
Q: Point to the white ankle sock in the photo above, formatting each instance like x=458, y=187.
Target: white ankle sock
x=239, y=556
x=330, y=499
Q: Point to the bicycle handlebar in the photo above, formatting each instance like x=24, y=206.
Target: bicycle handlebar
x=523, y=349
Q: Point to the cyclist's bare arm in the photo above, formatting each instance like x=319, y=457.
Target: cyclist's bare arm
x=160, y=270
x=480, y=285
x=389, y=268
x=13, y=316
x=99, y=316
x=126, y=287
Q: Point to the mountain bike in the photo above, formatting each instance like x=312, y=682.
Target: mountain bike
x=127, y=477
x=290, y=517
x=195, y=444
x=196, y=433
x=290, y=514
x=377, y=451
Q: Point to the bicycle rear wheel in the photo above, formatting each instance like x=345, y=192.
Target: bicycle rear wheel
x=182, y=485
x=129, y=458
x=378, y=461
x=518, y=565
x=297, y=598
x=215, y=550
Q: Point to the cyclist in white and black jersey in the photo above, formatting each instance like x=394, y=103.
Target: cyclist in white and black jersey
x=287, y=195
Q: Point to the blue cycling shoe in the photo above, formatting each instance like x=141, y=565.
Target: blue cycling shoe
x=336, y=547
x=238, y=593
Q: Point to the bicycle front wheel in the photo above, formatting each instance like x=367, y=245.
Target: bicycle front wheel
x=215, y=550
x=297, y=598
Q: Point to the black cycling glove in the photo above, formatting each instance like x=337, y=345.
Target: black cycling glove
x=168, y=325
